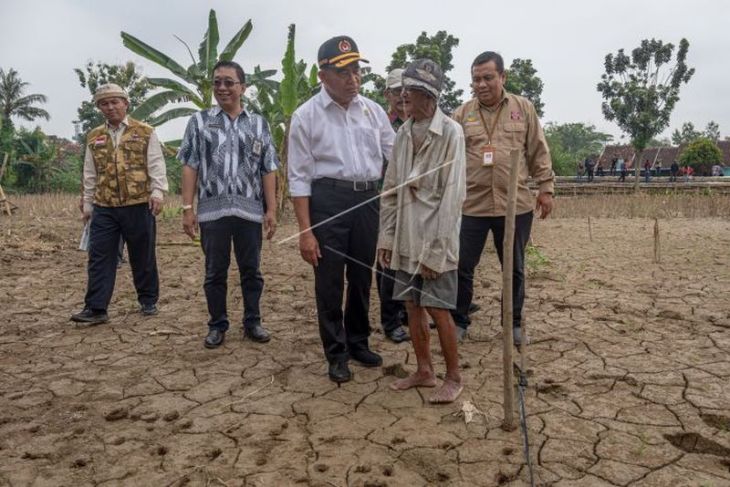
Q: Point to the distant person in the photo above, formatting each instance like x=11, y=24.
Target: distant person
x=658, y=168
x=124, y=179
x=716, y=170
x=688, y=172
x=420, y=215
x=580, y=170
x=614, y=163
x=673, y=171
x=392, y=312
x=599, y=170
x=229, y=162
x=497, y=119
x=623, y=170
x=589, y=165
x=647, y=170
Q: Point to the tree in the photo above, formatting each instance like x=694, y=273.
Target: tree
x=701, y=154
x=199, y=74
x=522, y=80
x=712, y=131
x=660, y=142
x=278, y=102
x=641, y=90
x=14, y=103
x=96, y=74
x=686, y=134
x=37, y=160
x=572, y=142
x=437, y=48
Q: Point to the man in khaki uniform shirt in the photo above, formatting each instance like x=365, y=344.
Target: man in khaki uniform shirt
x=496, y=122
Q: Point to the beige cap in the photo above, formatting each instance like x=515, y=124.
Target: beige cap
x=394, y=79
x=109, y=90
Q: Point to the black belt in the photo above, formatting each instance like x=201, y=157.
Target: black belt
x=353, y=185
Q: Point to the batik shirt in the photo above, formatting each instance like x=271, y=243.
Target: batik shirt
x=230, y=156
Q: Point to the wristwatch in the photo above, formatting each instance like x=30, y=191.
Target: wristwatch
x=187, y=207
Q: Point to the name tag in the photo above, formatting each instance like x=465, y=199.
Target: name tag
x=256, y=148
x=488, y=155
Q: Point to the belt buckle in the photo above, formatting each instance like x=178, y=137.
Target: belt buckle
x=355, y=186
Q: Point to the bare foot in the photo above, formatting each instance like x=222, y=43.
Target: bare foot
x=417, y=379
x=448, y=392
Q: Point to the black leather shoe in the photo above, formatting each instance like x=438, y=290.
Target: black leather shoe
x=148, y=309
x=339, y=372
x=215, y=338
x=90, y=316
x=257, y=334
x=398, y=335
x=366, y=358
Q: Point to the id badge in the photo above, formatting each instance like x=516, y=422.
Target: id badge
x=488, y=155
x=257, y=146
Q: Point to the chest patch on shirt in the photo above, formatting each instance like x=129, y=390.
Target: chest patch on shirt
x=516, y=115
x=256, y=147
x=100, y=140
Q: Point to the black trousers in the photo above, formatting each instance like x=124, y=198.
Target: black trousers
x=473, y=236
x=137, y=226
x=215, y=239
x=392, y=312
x=347, y=243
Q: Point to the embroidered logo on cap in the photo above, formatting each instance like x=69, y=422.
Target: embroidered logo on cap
x=344, y=46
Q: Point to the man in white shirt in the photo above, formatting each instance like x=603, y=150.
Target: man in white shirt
x=337, y=143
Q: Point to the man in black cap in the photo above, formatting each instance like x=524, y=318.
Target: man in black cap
x=424, y=188
x=337, y=143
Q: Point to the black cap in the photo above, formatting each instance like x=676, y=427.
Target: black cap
x=338, y=52
x=425, y=75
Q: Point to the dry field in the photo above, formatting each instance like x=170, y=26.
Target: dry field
x=629, y=367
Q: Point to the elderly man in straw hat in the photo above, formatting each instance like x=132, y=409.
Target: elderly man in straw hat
x=124, y=181
x=420, y=214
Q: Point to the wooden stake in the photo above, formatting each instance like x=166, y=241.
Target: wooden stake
x=657, y=243
x=4, y=203
x=507, y=267
x=590, y=230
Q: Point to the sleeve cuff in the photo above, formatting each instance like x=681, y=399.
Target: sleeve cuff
x=547, y=187
x=157, y=194
x=385, y=242
x=299, y=189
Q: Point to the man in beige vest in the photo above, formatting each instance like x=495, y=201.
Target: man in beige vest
x=124, y=181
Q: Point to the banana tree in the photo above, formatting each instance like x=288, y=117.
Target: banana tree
x=199, y=74
x=277, y=104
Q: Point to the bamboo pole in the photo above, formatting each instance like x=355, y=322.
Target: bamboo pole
x=657, y=242
x=507, y=268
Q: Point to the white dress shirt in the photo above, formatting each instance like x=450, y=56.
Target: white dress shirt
x=329, y=141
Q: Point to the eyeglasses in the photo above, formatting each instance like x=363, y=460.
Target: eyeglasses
x=228, y=83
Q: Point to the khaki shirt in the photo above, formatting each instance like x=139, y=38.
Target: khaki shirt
x=519, y=128
x=420, y=207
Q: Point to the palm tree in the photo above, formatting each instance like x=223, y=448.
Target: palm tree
x=12, y=101
x=199, y=74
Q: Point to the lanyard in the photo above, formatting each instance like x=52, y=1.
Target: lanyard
x=494, y=125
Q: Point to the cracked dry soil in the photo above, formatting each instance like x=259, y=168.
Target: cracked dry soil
x=628, y=387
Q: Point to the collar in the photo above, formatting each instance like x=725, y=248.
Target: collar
x=504, y=100
x=393, y=117
x=123, y=125
x=217, y=110
x=436, y=126
x=326, y=100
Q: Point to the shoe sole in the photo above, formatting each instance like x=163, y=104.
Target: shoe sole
x=89, y=322
x=339, y=380
x=257, y=340
x=366, y=364
x=211, y=346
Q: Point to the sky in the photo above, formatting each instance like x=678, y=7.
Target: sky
x=567, y=40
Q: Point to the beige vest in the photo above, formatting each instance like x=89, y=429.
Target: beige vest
x=121, y=172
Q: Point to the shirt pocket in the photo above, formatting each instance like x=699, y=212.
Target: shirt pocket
x=473, y=130
x=516, y=133
x=368, y=140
